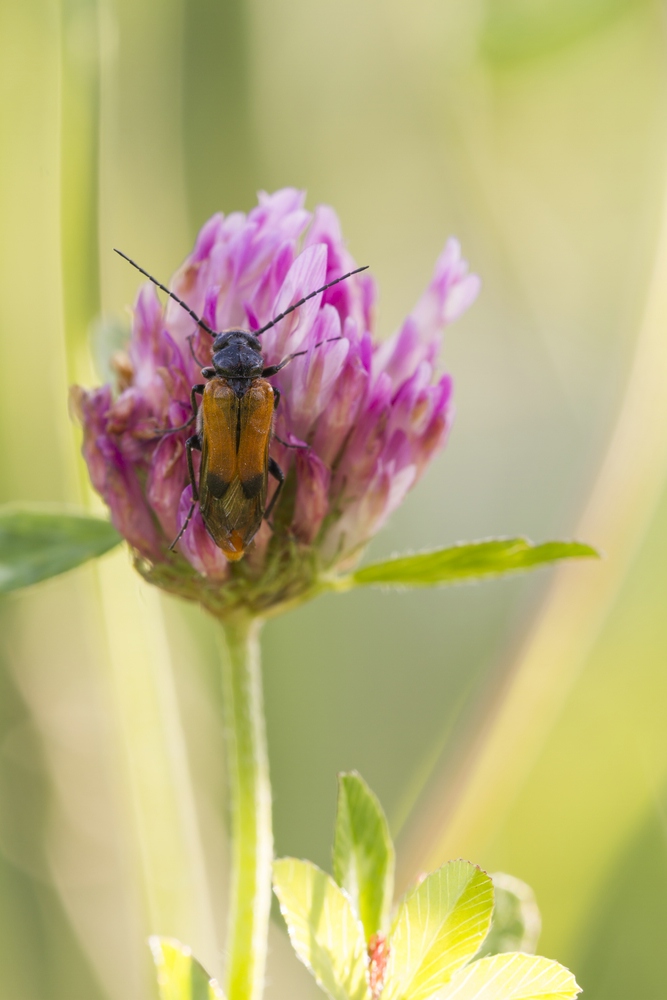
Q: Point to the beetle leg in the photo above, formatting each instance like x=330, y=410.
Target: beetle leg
x=197, y=390
x=279, y=475
x=276, y=399
x=174, y=430
x=274, y=369
x=191, y=443
x=285, y=444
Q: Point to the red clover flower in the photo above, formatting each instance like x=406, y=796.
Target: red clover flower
x=371, y=413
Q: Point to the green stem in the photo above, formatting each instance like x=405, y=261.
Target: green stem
x=250, y=810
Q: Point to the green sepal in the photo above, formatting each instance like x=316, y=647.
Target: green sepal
x=39, y=541
x=439, y=926
x=323, y=928
x=465, y=561
x=363, y=853
x=179, y=975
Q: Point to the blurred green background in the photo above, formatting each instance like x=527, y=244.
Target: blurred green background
x=520, y=724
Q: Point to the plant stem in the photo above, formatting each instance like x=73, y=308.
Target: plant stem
x=250, y=810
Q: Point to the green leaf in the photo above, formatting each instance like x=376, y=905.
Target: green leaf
x=512, y=977
x=438, y=928
x=516, y=921
x=37, y=542
x=363, y=854
x=465, y=561
x=179, y=975
x=323, y=928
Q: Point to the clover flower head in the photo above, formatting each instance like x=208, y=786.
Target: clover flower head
x=366, y=416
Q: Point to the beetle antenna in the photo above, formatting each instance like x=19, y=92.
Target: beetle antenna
x=258, y=333
x=191, y=312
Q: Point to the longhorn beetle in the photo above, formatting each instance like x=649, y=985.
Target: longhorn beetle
x=234, y=425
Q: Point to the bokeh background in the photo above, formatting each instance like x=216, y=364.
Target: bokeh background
x=519, y=724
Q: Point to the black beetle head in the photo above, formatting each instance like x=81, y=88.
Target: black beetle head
x=240, y=337
x=238, y=353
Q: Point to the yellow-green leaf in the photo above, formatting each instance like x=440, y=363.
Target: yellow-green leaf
x=37, y=542
x=323, y=928
x=512, y=977
x=363, y=854
x=438, y=928
x=179, y=975
x=465, y=561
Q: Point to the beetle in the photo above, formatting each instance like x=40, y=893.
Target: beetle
x=234, y=426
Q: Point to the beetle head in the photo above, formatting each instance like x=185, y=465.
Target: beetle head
x=238, y=352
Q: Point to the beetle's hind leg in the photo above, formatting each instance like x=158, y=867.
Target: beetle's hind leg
x=191, y=444
x=278, y=475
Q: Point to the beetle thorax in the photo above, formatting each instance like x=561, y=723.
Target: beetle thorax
x=238, y=354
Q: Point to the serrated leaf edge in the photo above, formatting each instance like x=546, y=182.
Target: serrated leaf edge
x=405, y=899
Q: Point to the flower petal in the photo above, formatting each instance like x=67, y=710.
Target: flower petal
x=312, y=495
x=196, y=544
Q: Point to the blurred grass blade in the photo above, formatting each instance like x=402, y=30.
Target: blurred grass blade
x=179, y=975
x=363, y=854
x=512, y=977
x=516, y=29
x=39, y=542
x=465, y=561
x=438, y=928
x=323, y=928
x=516, y=923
